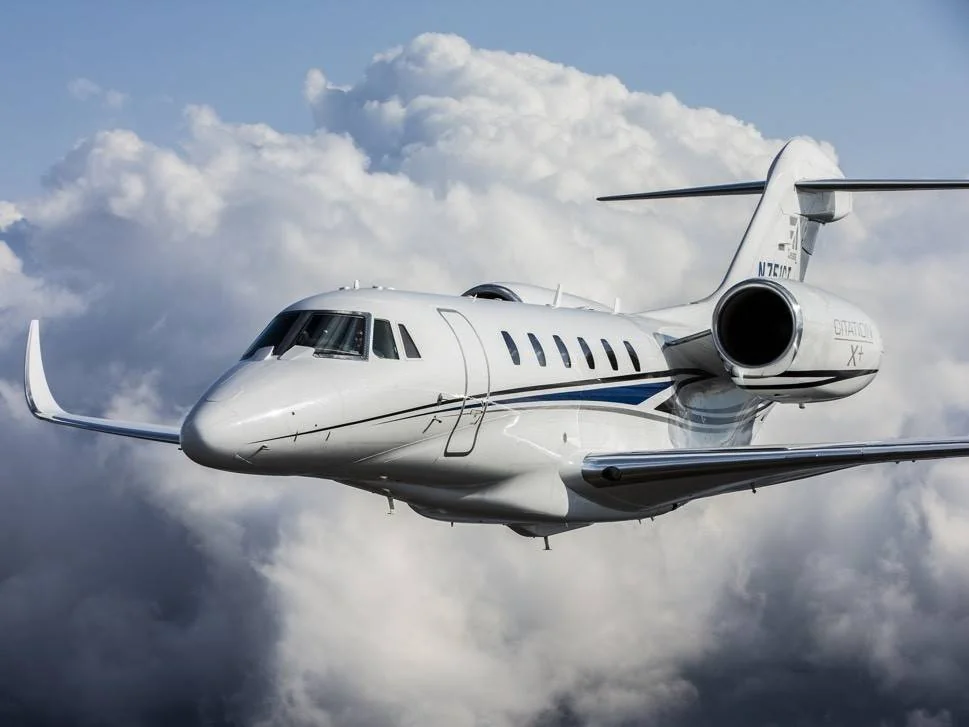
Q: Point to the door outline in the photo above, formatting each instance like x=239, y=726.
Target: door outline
x=477, y=372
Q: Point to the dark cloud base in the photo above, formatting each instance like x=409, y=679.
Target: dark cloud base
x=749, y=686
x=735, y=691
x=114, y=610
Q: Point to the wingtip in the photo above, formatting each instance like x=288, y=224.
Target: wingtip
x=42, y=404
x=39, y=397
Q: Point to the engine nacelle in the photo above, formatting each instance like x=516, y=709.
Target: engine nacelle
x=787, y=341
x=532, y=294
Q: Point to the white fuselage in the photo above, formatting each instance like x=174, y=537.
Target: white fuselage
x=463, y=431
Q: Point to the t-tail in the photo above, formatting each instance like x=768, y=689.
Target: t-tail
x=804, y=189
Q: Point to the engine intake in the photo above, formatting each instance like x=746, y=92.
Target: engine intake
x=772, y=332
x=788, y=341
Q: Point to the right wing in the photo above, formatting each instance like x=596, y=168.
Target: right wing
x=671, y=477
x=43, y=405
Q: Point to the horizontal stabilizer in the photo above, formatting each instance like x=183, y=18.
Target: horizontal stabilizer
x=879, y=185
x=43, y=405
x=806, y=185
x=715, y=190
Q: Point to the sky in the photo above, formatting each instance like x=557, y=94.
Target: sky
x=883, y=81
x=175, y=174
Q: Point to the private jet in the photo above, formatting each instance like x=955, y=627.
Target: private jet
x=544, y=411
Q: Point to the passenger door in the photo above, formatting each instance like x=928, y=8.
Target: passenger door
x=477, y=383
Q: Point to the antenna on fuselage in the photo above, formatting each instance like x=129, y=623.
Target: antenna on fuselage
x=356, y=285
x=615, y=307
x=558, y=297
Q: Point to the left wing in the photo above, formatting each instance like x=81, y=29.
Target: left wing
x=672, y=477
x=43, y=405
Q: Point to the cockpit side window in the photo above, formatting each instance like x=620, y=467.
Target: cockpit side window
x=410, y=348
x=384, y=345
x=274, y=333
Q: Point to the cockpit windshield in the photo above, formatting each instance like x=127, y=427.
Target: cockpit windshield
x=328, y=333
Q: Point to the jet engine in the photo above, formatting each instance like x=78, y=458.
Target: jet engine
x=533, y=294
x=787, y=341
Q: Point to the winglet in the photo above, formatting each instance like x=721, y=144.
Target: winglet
x=44, y=406
x=39, y=397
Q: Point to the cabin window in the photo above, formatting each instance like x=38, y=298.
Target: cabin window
x=274, y=333
x=410, y=348
x=384, y=345
x=633, y=356
x=512, y=348
x=539, y=351
x=587, y=352
x=610, y=354
x=563, y=351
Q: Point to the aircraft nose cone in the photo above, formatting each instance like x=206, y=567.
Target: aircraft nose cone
x=210, y=436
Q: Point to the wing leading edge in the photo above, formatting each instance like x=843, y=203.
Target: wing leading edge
x=675, y=476
x=43, y=405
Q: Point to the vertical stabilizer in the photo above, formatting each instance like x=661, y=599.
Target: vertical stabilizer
x=780, y=238
x=804, y=189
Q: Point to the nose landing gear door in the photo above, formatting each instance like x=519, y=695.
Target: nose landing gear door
x=477, y=383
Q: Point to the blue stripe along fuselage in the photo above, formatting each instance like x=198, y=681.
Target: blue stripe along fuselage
x=628, y=394
x=631, y=394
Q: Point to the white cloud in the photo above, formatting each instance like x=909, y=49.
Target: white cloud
x=9, y=214
x=152, y=582
x=84, y=89
x=114, y=99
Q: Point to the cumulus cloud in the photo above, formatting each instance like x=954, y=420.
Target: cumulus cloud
x=136, y=588
x=84, y=89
